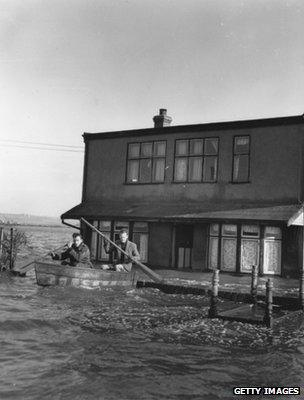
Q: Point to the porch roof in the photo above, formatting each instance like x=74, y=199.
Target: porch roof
x=182, y=211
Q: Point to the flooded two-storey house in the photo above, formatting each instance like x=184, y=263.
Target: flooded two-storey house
x=199, y=197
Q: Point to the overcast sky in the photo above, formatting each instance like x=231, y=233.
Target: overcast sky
x=70, y=66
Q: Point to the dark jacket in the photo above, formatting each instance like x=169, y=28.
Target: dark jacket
x=76, y=256
x=131, y=250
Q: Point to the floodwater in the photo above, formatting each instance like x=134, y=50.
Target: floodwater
x=65, y=343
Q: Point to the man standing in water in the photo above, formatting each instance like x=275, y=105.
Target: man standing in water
x=77, y=254
x=122, y=263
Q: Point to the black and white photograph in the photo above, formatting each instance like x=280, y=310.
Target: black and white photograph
x=152, y=199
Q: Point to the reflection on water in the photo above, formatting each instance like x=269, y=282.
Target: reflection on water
x=70, y=343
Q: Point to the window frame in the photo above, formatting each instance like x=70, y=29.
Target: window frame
x=112, y=231
x=151, y=158
x=234, y=155
x=261, y=240
x=203, y=156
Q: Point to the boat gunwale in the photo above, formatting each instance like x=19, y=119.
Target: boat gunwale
x=83, y=273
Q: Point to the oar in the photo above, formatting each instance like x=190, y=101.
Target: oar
x=144, y=268
x=25, y=268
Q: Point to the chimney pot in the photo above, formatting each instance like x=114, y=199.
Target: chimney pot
x=162, y=119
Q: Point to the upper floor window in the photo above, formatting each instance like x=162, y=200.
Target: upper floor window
x=196, y=160
x=146, y=162
x=241, y=158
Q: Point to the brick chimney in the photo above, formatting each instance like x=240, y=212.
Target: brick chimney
x=162, y=119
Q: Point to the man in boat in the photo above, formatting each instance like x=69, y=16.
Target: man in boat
x=76, y=253
x=122, y=262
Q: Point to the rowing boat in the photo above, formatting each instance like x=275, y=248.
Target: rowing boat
x=52, y=274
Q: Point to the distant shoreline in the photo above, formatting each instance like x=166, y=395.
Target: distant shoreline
x=33, y=225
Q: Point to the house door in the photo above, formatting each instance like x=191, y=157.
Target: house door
x=183, y=245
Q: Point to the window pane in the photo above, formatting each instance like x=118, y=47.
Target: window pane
x=145, y=170
x=196, y=146
x=118, y=225
x=181, y=147
x=158, y=170
x=132, y=175
x=228, y=262
x=133, y=151
x=180, y=173
x=102, y=255
x=94, y=242
x=272, y=257
x=249, y=254
x=213, y=253
x=141, y=240
x=229, y=230
x=195, y=169
x=273, y=232
x=210, y=169
x=105, y=225
x=159, y=148
x=140, y=227
x=214, y=229
x=250, y=230
x=146, y=149
x=241, y=168
x=241, y=145
x=211, y=146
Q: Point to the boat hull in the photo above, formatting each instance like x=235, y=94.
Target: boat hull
x=51, y=274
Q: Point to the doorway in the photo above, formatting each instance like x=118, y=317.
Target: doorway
x=183, y=246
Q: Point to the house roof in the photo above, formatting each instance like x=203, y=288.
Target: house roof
x=297, y=218
x=181, y=211
x=213, y=126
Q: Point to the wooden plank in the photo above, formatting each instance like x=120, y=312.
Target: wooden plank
x=237, y=310
x=247, y=313
x=244, y=313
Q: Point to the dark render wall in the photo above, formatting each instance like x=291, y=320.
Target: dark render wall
x=160, y=239
x=291, y=251
x=275, y=169
x=200, y=251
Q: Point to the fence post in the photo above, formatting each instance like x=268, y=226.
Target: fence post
x=301, y=291
x=254, y=284
x=1, y=239
x=214, y=294
x=11, y=262
x=1, y=245
x=301, y=280
x=268, y=319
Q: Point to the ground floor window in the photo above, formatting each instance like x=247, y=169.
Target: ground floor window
x=140, y=236
x=138, y=233
x=237, y=247
x=228, y=247
x=272, y=250
x=250, y=247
